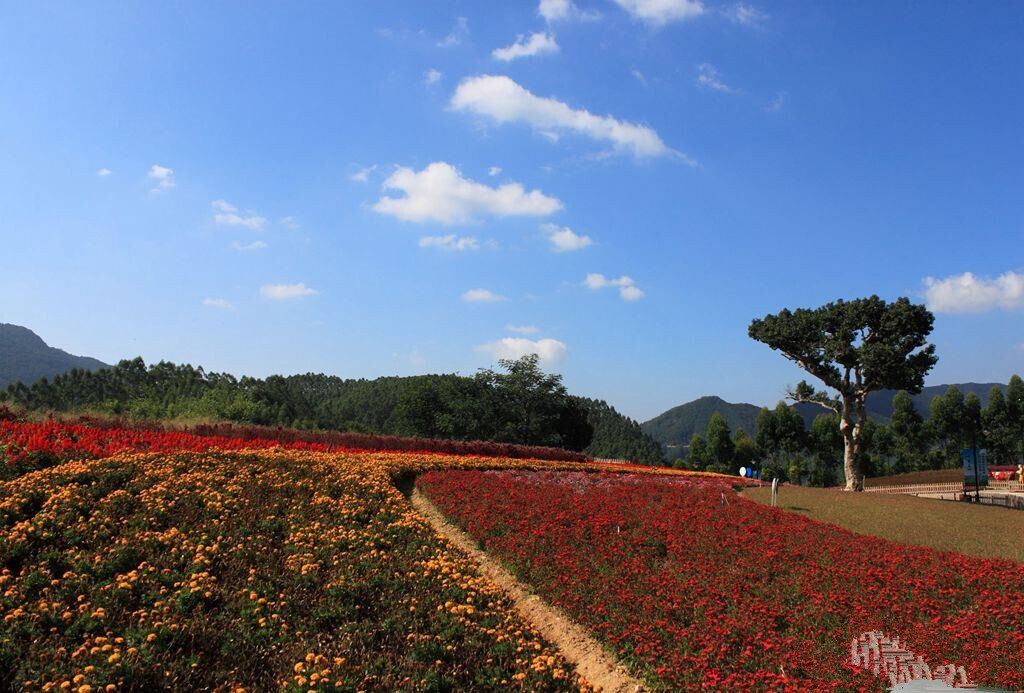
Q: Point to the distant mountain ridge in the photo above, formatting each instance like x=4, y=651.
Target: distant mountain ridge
x=673, y=428
x=26, y=357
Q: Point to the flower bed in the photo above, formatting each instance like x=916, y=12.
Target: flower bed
x=694, y=586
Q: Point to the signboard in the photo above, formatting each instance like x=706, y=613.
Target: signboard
x=970, y=468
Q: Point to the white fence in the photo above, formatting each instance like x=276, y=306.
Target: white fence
x=948, y=487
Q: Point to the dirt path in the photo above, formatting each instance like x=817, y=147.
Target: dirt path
x=593, y=662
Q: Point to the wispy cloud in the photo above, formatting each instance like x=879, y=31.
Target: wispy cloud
x=217, y=303
x=282, y=292
x=522, y=329
x=249, y=247
x=290, y=223
x=363, y=174
x=563, y=239
x=481, y=296
x=640, y=77
x=660, y=12
x=540, y=43
x=628, y=290
x=747, y=15
x=709, y=78
x=777, y=103
x=550, y=351
x=450, y=242
x=458, y=33
x=440, y=193
x=564, y=11
x=494, y=170
x=968, y=293
x=432, y=76
x=503, y=100
x=163, y=178
x=103, y=172
x=227, y=214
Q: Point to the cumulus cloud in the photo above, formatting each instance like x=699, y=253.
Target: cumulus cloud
x=363, y=174
x=565, y=10
x=227, y=214
x=539, y=43
x=249, y=247
x=661, y=12
x=432, y=76
x=163, y=178
x=967, y=293
x=481, y=296
x=550, y=351
x=522, y=329
x=747, y=15
x=280, y=292
x=217, y=303
x=502, y=99
x=450, y=242
x=103, y=172
x=440, y=193
x=563, y=239
x=709, y=78
x=459, y=32
x=628, y=290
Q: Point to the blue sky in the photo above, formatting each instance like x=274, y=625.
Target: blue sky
x=387, y=188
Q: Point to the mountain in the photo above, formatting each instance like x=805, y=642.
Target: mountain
x=26, y=357
x=674, y=427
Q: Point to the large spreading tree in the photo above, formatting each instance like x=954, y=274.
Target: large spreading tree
x=853, y=348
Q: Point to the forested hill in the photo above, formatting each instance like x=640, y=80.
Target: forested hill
x=674, y=427
x=528, y=408
x=25, y=357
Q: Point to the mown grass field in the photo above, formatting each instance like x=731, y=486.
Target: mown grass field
x=984, y=531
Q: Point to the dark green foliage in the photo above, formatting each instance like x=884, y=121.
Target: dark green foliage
x=618, y=437
x=674, y=427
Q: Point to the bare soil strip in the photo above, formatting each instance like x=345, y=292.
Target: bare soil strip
x=592, y=661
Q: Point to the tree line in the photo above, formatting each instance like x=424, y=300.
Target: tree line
x=518, y=403
x=785, y=448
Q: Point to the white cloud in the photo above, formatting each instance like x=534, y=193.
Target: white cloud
x=280, y=292
x=450, y=242
x=217, y=303
x=494, y=170
x=1020, y=347
x=776, y=104
x=363, y=174
x=459, y=32
x=639, y=76
x=747, y=15
x=628, y=290
x=967, y=293
x=249, y=247
x=226, y=214
x=163, y=176
x=661, y=12
x=550, y=351
x=709, y=78
x=289, y=223
x=502, y=99
x=103, y=172
x=565, y=10
x=432, y=76
x=440, y=193
x=539, y=43
x=563, y=239
x=522, y=329
x=481, y=296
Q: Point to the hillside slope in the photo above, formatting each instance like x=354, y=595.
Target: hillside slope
x=26, y=357
x=674, y=427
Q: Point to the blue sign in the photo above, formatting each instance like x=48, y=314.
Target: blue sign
x=970, y=468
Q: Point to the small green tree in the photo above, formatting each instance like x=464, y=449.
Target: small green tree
x=697, y=453
x=720, y=450
x=999, y=433
x=908, y=436
x=1015, y=413
x=853, y=347
x=946, y=426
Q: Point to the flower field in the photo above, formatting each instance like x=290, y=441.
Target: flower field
x=256, y=569
x=696, y=587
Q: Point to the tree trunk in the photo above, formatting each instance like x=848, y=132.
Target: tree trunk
x=851, y=445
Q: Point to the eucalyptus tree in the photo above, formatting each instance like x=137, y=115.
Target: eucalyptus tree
x=854, y=348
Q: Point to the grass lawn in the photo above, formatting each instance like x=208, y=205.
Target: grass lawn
x=946, y=525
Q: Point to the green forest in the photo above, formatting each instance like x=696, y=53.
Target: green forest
x=784, y=447
x=518, y=403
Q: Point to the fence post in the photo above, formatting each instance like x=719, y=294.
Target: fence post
x=775, y=492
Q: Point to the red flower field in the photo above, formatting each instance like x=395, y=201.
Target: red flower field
x=695, y=586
